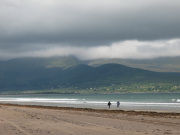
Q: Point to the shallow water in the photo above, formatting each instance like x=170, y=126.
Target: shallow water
x=128, y=101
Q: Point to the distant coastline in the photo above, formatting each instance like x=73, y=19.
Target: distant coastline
x=78, y=92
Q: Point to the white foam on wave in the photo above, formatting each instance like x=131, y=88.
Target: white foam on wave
x=36, y=100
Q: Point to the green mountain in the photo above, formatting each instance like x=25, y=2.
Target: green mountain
x=69, y=75
x=162, y=64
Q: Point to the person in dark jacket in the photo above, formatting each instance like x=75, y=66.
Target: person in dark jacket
x=109, y=104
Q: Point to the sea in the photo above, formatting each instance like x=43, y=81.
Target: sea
x=166, y=102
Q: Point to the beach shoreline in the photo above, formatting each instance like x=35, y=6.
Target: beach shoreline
x=140, y=102
x=129, y=112
x=51, y=120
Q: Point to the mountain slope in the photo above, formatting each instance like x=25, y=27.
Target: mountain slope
x=163, y=64
x=34, y=74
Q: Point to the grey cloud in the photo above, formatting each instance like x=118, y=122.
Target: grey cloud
x=133, y=49
x=31, y=25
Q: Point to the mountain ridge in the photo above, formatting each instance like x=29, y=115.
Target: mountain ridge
x=45, y=74
x=162, y=64
x=34, y=74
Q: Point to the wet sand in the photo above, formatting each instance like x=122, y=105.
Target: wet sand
x=48, y=120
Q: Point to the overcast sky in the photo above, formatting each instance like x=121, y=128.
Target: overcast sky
x=89, y=29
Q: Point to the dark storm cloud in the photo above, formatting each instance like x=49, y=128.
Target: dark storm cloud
x=36, y=26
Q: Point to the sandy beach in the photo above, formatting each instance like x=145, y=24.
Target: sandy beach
x=44, y=120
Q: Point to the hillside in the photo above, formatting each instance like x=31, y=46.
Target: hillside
x=42, y=75
x=163, y=64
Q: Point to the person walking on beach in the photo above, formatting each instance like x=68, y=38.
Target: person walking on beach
x=109, y=104
x=118, y=103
